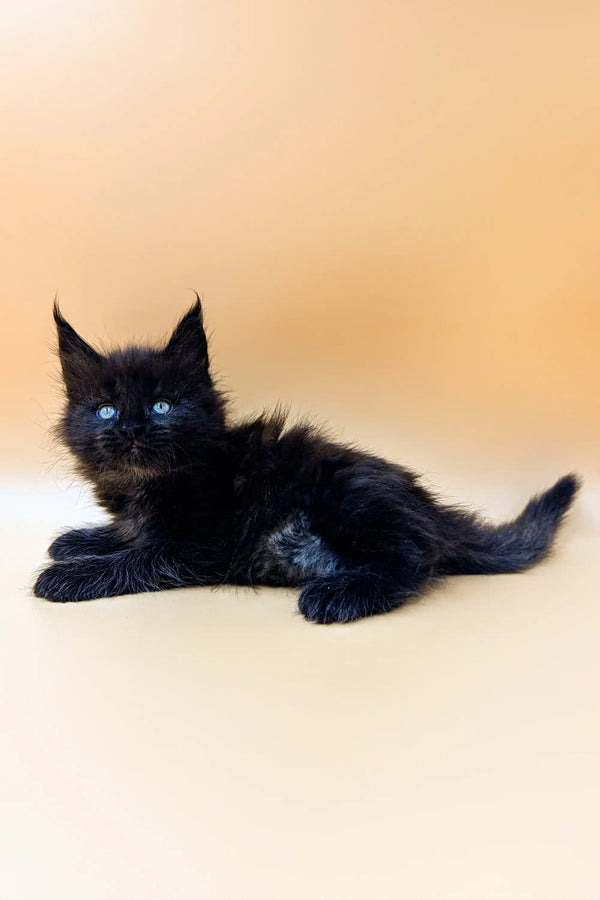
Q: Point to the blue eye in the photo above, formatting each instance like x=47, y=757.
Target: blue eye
x=107, y=412
x=162, y=407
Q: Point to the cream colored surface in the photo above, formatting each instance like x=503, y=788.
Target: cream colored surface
x=213, y=744
x=392, y=210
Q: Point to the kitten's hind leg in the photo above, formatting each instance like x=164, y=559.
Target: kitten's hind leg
x=96, y=541
x=296, y=553
x=356, y=594
x=335, y=587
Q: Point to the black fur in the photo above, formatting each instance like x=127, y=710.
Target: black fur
x=195, y=500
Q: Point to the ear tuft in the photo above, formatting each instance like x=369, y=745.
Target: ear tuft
x=188, y=338
x=58, y=316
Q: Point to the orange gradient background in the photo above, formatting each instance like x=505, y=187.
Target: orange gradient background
x=391, y=211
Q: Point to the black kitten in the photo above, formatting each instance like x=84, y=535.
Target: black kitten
x=197, y=501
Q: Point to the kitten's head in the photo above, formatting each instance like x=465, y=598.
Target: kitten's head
x=138, y=413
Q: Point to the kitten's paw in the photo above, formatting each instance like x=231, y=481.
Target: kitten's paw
x=96, y=541
x=345, y=598
x=64, y=546
x=61, y=583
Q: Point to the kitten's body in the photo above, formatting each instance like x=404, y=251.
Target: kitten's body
x=196, y=501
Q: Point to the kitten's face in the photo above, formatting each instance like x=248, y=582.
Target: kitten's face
x=139, y=413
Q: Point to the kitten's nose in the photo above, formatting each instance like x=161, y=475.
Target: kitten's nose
x=132, y=431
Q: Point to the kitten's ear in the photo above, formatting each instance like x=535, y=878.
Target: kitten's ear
x=189, y=339
x=76, y=356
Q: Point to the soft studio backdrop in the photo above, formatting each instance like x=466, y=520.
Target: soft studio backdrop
x=392, y=211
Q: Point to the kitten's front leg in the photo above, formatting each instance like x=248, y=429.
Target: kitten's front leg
x=96, y=541
x=133, y=570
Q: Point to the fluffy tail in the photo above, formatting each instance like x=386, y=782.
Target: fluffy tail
x=479, y=548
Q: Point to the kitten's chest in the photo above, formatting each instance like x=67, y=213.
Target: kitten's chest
x=197, y=510
x=190, y=510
